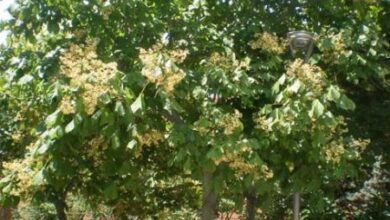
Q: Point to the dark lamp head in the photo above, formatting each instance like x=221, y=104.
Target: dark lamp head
x=302, y=42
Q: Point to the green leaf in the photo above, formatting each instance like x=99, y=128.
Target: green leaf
x=70, y=127
x=38, y=178
x=137, y=104
x=78, y=119
x=115, y=141
x=333, y=93
x=52, y=119
x=4, y=181
x=345, y=103
x=105, y=98
x=7, y=189
x=327, y=43
x=131, y=144
x=119, y=108
x=276, y=86
x=128, y=95
x=43, y=148
x=218, y=184
x=317, y=109
x=361, y=59
x=214, y=153
x=279, y=97
x=25, y=79
x=294, y=88
x=106, y=117
x=171, y=105
x=111, y=192
x=209, y=165
x=56, y=132
x=372, y=52
x=257, y=160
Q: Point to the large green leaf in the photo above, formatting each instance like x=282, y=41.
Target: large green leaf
x=317, y=109
x=70, y=126
x=131, y=144
x=137, y=104
x=111, y=192
x=345, y=103
x=333, y=93
x=52, y=119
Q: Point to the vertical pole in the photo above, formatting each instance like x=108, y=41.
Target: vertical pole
x=5, y=213
x=291, y=37
x=296, y=206
x=60, y=209
x=251, y=203
x=209, y=205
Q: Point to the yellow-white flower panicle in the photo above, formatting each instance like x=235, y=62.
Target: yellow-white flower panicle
x=149, y=138
x=95, y=149
x=309, y=74
x=23, y=174
x=80, y=64
x=268, y=42
x=178, y=56
x=335, y=48
x=230, y=122
x=160, y=67
x=263, y=123
x=237, y=161
x=152, y=137
x=334, y=152
x=226, y=124
x=67, y=106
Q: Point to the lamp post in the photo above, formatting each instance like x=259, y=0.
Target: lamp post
x=301, y=44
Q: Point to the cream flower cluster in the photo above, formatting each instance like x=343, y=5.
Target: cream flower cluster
x=106, y=12
x=236, y=161
x=228, y=62
x=82, y=66
x=67, y=106
x=268, y=42
x=95, y=150
x=23, y=174
x=331, y=55
x=230, y=122
x=227, y=123
x=160, y=67
x=263, y=123
x=334, y=152
x=17, y=136
x=309, y=74
x=151, y=137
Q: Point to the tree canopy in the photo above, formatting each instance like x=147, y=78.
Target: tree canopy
x=145, y=106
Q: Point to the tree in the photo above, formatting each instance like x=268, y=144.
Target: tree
x=136, y=104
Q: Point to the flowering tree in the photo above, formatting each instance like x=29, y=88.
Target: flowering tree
x=146, y=106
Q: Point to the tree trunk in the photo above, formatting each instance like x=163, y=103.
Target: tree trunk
x=251, y=204
x=209, y=205
x=60, y=209
x=5, y=214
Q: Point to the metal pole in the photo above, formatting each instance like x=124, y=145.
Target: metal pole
x=296, y=206
x=296, y=203
x=305, y=40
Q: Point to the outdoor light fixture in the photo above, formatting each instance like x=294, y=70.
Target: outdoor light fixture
x=301, y=43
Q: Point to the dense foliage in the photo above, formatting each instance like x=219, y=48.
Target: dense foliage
x=144, y=106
